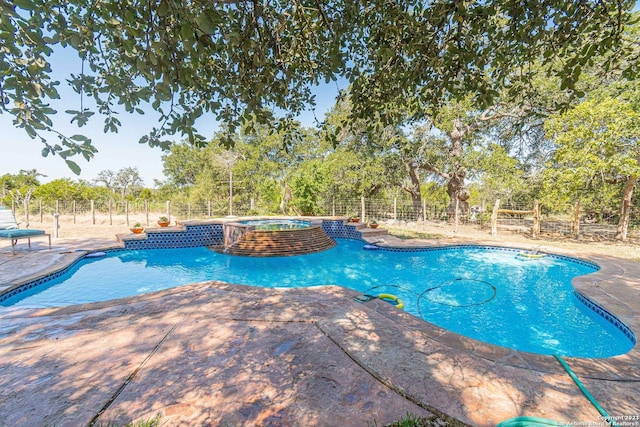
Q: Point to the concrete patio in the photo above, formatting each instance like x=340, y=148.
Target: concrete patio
x=220, y=354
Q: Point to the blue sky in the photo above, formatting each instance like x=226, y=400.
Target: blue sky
x=115, y=150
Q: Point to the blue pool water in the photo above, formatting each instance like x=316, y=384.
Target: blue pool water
x=277, y=224
x=489, y=294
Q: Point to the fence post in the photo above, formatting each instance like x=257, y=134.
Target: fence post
x=169, y=209
x=146, y=211
x=40, y=208
x=56, y=225
x=110, y=213
x=209, y=208
x=74, y=211
x=362, y=210
x=333, y=207
x=576, y=220
x=253, y=203
x=126, y=211
x=494, y=219
x=26, y=210
x=424, y=211
x=456, y=216
x=395, y=208
x=535, y=231
x=230, y=193
x=93, y=212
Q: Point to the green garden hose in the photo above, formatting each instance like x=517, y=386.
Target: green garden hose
x=527, y=422
x=539, y=422
x=586, y=393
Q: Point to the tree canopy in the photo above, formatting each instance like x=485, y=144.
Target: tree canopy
x=598, y=148
x=240, y=60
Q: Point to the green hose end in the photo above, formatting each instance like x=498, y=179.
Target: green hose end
x=527, y=422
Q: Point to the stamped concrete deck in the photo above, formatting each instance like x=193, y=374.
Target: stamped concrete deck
x=220, y=354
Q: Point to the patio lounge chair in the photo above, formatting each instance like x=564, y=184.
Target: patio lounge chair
x=9, y=230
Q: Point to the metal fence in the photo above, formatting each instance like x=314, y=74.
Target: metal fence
x=555, y=220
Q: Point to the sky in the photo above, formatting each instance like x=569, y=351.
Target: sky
x=115, y=150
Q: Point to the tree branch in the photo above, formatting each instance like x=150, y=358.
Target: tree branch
x=434, y=170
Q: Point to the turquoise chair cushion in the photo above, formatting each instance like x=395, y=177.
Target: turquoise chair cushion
x=14, y=234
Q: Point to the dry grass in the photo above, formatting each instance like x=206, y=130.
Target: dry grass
x=467, y=233
x=84, y=226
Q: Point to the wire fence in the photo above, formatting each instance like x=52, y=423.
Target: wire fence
x=574, y=221
x=561, y=221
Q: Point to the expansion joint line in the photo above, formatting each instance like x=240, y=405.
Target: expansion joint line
x=133, y=375
x=238, y=319
x=387, y=382
x=382, y=380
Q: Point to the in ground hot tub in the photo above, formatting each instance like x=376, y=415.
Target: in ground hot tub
x=275, y=237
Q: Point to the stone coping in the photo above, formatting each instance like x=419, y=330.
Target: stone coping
x=182, y=225
x=226, y=220
x=251, y=227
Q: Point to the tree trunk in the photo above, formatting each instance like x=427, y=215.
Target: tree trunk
x=456, y=135
x=285, y=201
x=494, y=218
x=625, y=208
x=414, y=190
x=458, y=195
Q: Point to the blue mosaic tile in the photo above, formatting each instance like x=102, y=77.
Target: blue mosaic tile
x=193, y=236
x=608, y=316
x=337, y=229
x=46, y=278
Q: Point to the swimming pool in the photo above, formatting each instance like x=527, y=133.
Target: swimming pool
x=277, y=224
x=490, y=294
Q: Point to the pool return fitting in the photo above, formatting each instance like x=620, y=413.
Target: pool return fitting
x=539, y=422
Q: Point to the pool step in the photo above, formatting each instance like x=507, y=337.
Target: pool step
x=262, y=243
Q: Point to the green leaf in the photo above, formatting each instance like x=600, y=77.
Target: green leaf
x=73, y=166
x=163, y=9
x=205, y=24
x=30, y=131
x=80, y=138
x=186, y=31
